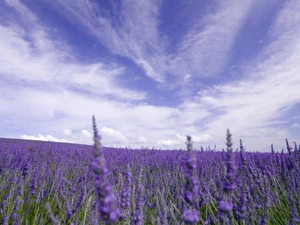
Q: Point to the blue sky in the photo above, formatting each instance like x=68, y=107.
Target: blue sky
x=151, y=72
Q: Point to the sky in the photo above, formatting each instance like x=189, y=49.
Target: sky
x=151, y=72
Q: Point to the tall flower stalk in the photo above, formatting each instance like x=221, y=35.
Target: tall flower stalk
x=126, y=194
x=138, y=213
x=225, y=205
x=109, y=213
x=191, y=187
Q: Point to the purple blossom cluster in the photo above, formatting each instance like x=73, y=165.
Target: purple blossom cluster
x=126, y=194
x=225, y=202
x=190, y=213
x=106, y=200
x=138, y=212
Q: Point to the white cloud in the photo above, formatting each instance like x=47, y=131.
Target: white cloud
x=86, y=134
x=181, y=140
x=116, y=135
x=67, y=132
x=203, y=51
x=251, y=108
x=187, y=77
x=196, y=138
x=142, y=140
x=168, y=142
x=42, y=138
x=83, y=137
x=152, y=116
x=33, y=56
x=140, y=41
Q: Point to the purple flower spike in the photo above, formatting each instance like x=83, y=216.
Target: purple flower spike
x=191, y=188
x=225, y=205
x=272, y=149
x=25, y=170
x=138, y=213
x=190, y=216
x=126, y=192
x=231, y=167
x=107, y=203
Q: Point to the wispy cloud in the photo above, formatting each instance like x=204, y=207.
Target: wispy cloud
x=296, y=125
x=252, y=107
x=119, y=31
x=32, y=57
x=204, y=50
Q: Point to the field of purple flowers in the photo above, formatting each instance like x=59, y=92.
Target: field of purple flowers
x=58, y=183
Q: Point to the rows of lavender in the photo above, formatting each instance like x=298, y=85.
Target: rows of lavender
x=56, y=183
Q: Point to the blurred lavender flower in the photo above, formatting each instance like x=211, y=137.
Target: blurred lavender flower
x=106, y=199
x=242, y=149
x=190, y=194
x=54, y=220
x=20, y=188
x=162, y=208
x=33, y=183
x=5, y=220
x=25, y=170
x=16, y=218
x=80, y=200
x=240, y=209
x=69, y=211
x=229, y=185
x=294, y=217
x=138, y=213
x=265, y=189
x=225, y=205
x=289, y=148
x=126, y=191
x=272, y=149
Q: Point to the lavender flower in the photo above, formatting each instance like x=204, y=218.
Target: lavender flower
x=289, y=148
x=16, y=218
x=106, y=199
x=241, y=207
x=25, y=170
x=138, y=213
x=162, y=208
x=33, y=183
x=125, y=200
x=5, y=220
x=54, y=220
x=229, y=185
x=20, y=188
x=191, y=188
x=294, y=217
x=225, y=205
x=242, y=149
x=80, y=200
x=69, y=212
x=272, y=149
x=267, y=203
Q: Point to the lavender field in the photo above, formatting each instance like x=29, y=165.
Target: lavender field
x=58, y=183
